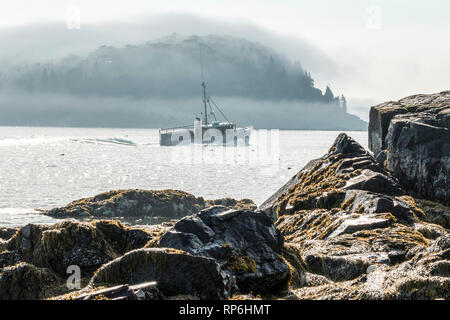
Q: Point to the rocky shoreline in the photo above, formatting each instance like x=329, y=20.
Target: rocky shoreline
x=354, y=224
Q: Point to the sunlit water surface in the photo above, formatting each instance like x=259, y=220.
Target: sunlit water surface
x=43, y=168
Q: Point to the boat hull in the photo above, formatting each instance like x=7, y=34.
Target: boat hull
x=225, y=136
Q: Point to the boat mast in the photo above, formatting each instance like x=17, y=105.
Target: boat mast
x=205, y=101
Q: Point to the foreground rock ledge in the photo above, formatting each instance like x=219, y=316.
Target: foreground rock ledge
x=354, y=234
x=117, y=260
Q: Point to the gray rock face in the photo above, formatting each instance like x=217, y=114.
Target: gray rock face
x=176, y=272
x=360, y=223
x=374, y=182
x=244, y=243
x=414, y=134
x=370, y=202
x=380, y=119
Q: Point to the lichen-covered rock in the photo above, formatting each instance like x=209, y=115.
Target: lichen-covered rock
x=57, y=246
x=132, y=203
x=352, y=231
x=325, y=183
x=25, y=281
x=244, y=243
x=138, y=206
x=426, y=275
x=176, y=273
x=414, y=135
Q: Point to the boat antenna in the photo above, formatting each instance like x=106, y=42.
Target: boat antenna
x=205, y=99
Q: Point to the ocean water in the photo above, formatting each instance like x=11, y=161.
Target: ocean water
x=42, y=168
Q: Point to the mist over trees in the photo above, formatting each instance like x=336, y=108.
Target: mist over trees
x=169, y=69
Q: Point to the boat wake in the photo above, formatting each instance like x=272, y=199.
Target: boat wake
x=39, y=141
x=118, y=141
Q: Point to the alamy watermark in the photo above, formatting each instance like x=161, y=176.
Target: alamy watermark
x=261, y=149
x=74, y=280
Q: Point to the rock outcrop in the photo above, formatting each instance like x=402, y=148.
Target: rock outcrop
x=25, y=281
x=330, y=182
x=424, y=275
x=176, y=273
x=354, y=233
x=412, y=136
x=34, y=261
x=132, y=203
x=244, y=243
x=58, y=246
x=141, y=204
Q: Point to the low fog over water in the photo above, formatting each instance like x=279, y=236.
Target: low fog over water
x=157, y=84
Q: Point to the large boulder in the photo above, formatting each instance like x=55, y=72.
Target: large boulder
x=132, y=203
x=58, y=246
x=176, y=272
x=244, y=243
x=137, y=206
x=25, y=281
x=414, y=135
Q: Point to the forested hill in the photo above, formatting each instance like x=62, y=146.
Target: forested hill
x=170, y=68
x=158, y=84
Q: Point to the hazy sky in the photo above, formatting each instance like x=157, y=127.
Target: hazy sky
x=385, y=49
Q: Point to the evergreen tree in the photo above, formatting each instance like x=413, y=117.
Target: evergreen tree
x=329, y=95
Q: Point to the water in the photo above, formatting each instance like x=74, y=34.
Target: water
x=42, y=168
